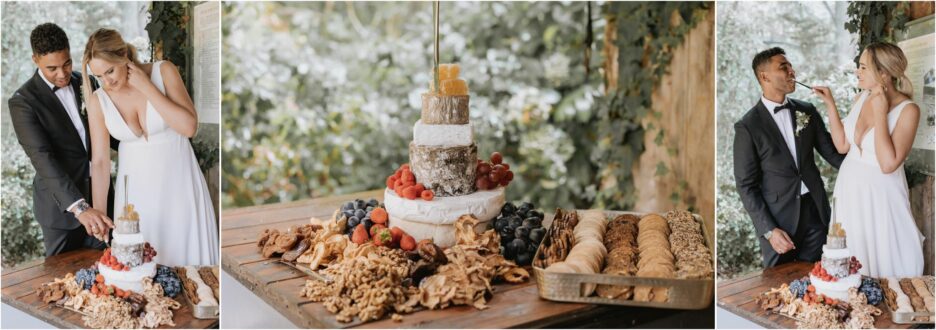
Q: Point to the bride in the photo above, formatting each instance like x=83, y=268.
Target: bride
x=147, y=108
x=872, y=201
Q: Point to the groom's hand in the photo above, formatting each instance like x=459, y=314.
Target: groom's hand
x=95, y=222
x=780, y=241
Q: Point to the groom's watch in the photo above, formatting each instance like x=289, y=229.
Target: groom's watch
x=768, y=234
x=80, y=208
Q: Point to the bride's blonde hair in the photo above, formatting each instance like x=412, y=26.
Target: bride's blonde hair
x=888, y=58
x=108, y=45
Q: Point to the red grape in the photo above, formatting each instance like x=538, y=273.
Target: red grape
x=496, y=158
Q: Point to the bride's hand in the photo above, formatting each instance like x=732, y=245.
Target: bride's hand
x=136, y=77
x=824, y=93
x=878, y=101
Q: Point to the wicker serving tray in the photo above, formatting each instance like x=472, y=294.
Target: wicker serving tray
x=683, y=293
x=908, y=318
x=202, y=311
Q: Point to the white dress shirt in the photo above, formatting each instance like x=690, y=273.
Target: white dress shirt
x=66, y=95
x=785, y=124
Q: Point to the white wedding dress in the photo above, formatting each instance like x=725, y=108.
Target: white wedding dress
x=874, y=208
x=166, y=186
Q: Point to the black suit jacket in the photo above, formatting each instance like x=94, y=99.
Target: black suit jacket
x=55, y=149
x=766, y=176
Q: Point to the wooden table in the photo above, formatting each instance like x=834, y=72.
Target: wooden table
x=20, y=283
x=512, y=305
x=737, y=296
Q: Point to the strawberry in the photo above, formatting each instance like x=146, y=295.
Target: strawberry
x=375, y=228
x=811, y=288
x=407, y=243
x=420, y=187
x=94, y=290
x=391, y=181
x=99, y=278
x=383, y=237
x=396, y=233
x=427, y=195
x=359, y=235
x=379, y=215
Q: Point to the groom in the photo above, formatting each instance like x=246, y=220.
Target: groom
x=46, y=117
x=774, y=167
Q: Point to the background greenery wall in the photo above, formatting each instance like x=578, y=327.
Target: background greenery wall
x=325, y=103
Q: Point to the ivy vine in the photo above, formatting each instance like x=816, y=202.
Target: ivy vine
x=168, y=33
x=876, y=21
x=643, y=37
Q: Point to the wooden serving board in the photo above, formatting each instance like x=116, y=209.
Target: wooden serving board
x=20, y=283
x=737, y=296
x=512, y=305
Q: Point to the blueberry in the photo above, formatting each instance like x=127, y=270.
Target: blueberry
x=499, y=224
x=348, y=213
x=510, y=252
x=353, y=221
x=360, y=213
x=367, y=224
x=524, y=258
x=369, y=209
x=506, y=233
x=537, y=234
x=508, y=209
x=372, y=202
x=532, y=248
x=358, y=204
x=532, y=222
x=514, y=222
x=537, y=214
x=518, y=245
x=348, y=206
x=522, y=232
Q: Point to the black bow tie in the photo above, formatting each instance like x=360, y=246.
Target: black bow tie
x=787, y=105
x=55, y=89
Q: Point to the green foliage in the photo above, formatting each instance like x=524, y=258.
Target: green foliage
x=22, y=237
x=876, y=21
x=168, y=33
x=326, y=103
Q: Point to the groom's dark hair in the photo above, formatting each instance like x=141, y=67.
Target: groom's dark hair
x=763, y=58
x=48, y=38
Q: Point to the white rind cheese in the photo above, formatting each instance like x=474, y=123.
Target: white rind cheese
x=131, y=279
x=442, y=135
x=435, y=219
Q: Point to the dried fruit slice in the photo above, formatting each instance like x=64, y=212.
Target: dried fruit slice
x=452, y=87
x=448, y=71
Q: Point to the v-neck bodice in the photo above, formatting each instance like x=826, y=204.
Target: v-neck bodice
x=864, y=149
x=153, y=125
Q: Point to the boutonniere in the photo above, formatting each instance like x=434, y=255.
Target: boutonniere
x=84, y=105
x=802, y=120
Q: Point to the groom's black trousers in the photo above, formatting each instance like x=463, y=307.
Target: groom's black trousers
x=809, y=238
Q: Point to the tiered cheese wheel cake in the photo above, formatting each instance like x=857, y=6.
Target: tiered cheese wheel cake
x=443, y=158
x=837, y=271
x=132, y=253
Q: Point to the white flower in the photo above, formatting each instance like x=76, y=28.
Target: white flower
x=802, y=120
